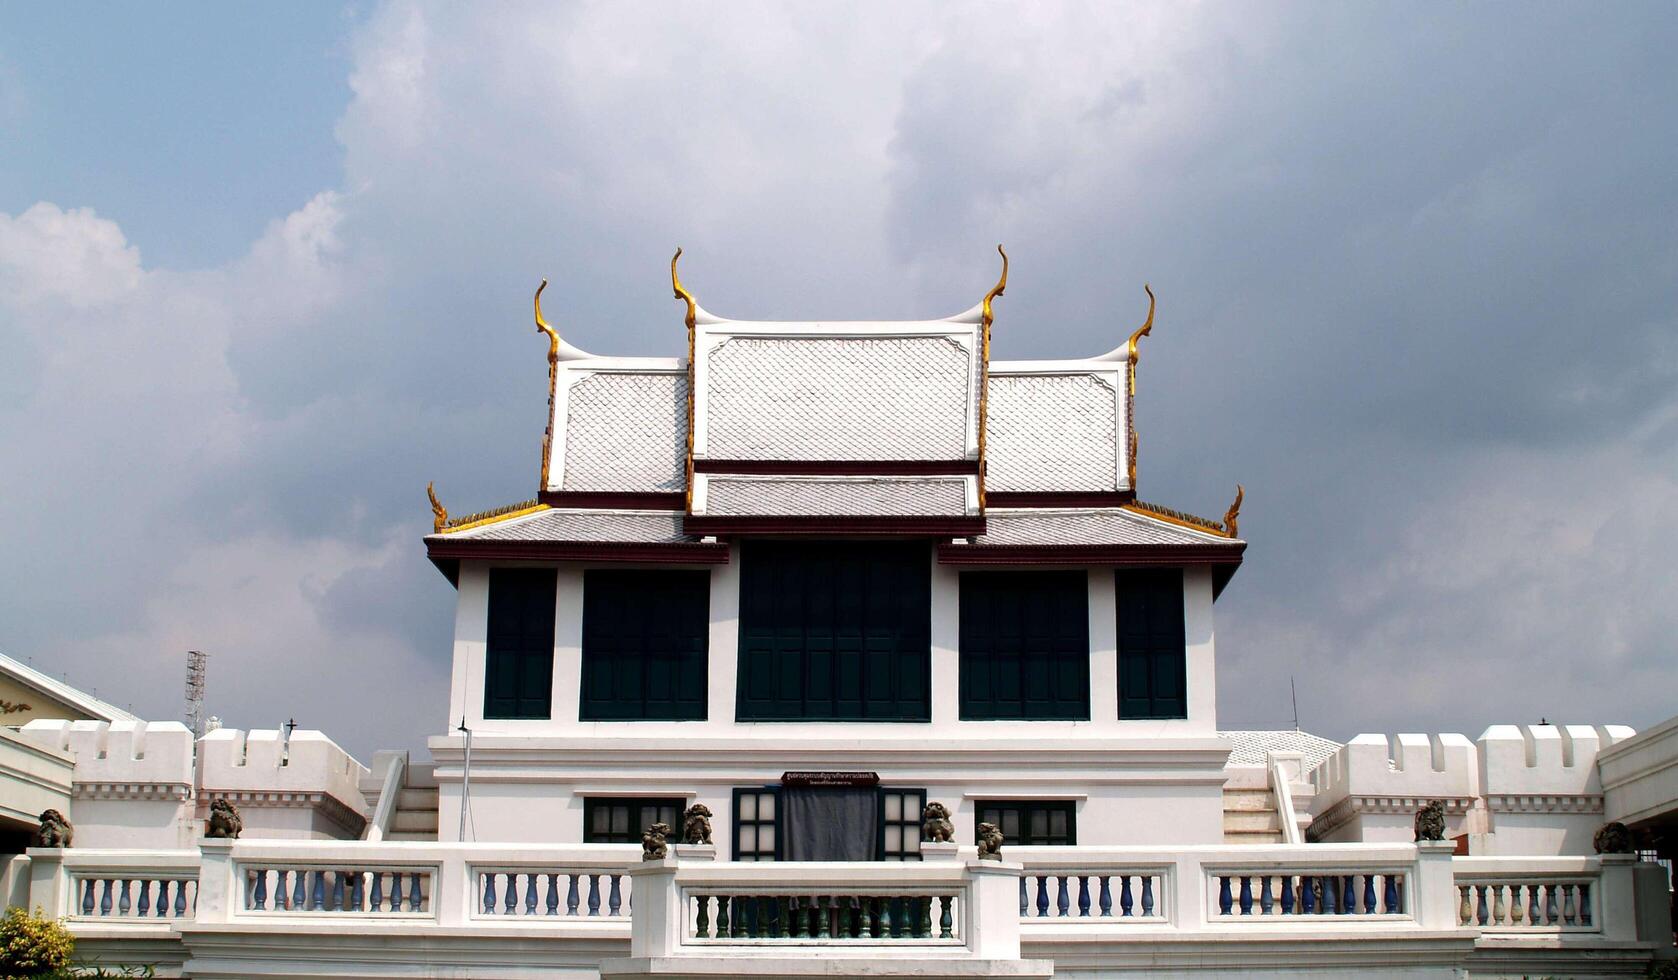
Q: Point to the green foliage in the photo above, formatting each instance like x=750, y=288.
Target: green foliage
x=1664, y=971
x=32, y=945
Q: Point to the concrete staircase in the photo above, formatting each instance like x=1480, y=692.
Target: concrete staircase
x=1250, y=817
x=416, y=802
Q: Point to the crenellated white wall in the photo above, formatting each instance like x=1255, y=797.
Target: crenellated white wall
x=138, y=784
x=132, y=783
x=1516, y=790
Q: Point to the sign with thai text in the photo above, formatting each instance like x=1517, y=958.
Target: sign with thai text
x=830, y=779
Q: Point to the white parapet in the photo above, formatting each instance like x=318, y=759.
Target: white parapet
x=1371, y=787
x=132, y=781
x=302, y=787
x=1541, y=788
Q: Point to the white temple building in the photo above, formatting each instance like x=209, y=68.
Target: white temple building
x=809, y=579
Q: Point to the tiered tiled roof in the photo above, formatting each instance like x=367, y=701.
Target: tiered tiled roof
x=818, y=427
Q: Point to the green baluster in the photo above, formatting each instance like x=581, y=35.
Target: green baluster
x=795, y=915
x=944, y=918
x=856, y=917
x=885, y=930
x=722, y=916
x=702, y=925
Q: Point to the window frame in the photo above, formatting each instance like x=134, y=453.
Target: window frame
x=1150, y=650
x=592, y=804
x=985, y=661
x=910, y=822
x=892, y=647
x=525, y=647
x=1069, y=807
x=609, y=588
x=737, y=822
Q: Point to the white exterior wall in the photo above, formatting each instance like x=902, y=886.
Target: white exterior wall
x=1134, y=781
x=306, y=788
x=1517, y=790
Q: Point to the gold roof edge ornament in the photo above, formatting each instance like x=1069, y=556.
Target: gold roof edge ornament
x=986, y=318
x=1233, y=514
x=1145, y=330
x=996, y=290
x=439, y=513
x=553, y=378
x=692, y=320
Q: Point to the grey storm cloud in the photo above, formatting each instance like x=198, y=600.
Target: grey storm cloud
x=1417, y=273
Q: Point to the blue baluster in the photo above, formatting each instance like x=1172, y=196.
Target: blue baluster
x=1584, y=904
x=144, y=905
x=378, y=890
x=1368, y=894
x=530, y=894
x=512, y=893
x=1125, y=901
x=1084, y=896
x=1063, y=902
x=337, y=890
x=1348, y=900
x=1147, y=894
x=163, y=895
x=1025, y=899
x=553, y=894
x=593, y=894
x=415, y=902
x=1287, y=894
x=1226, y=902
x=180, y=898
x=1533, y=913
x=1246, y=894
x=317, y=898
x=1482, y=913
x=1307, y=895
x=282, y=892
x=1331, y=894
x=571, y=897
x=614, y=899
x=1266, y=903
x=259, y=896
x=1042, y=897
x=1390, y=898
x=1104, y=895
x=297, y=890
x=87, y=896
x=396, y=891
x=124, y=903
x=358, y=888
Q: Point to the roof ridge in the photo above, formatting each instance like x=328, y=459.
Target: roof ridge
x=492, y=516
x=1178, y=517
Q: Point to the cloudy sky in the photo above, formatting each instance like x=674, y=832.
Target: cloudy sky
x=266, y=270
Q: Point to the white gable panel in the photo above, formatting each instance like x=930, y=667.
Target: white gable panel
x=1052, y=433
x=626, y=431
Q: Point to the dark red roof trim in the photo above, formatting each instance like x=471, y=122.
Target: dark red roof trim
x=663, y=552
x=604, y=500
x=1080, y=498
x=839, y=467
x=1079, y=554
x=917, y=526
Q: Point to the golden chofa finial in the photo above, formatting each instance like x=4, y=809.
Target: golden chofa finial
x=681, y=292
x=439, y=514
x=996, y=291
x=1147, y=327
x=1234, y=512
x=543, y=327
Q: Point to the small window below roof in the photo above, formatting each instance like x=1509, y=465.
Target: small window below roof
x=622, y=820
x=1031, y=821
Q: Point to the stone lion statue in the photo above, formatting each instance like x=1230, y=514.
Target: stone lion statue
x=1430, y=821
x=654, y=841
x=990, y=842
x=935, y=823
x=1613, y=837
x=224, y=820
x=55, y=831
x=696, y=824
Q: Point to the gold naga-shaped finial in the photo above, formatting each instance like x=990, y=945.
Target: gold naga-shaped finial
x=542, y=326
x=1233, y=514
x=996, y=290
x=439, y=514
x=1145, y=330
x=681, y=291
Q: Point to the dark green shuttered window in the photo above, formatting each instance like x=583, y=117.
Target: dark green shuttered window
x=835, y=631
x=1025, y=647
x=1031, y=822
x=519, y=662
x=1152, y=668
x=644, y=641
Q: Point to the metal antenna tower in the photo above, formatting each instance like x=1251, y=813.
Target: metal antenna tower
x=196, y=660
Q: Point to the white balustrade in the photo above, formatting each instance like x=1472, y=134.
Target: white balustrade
x=1093, y=894
x=1529, y=895
x=564, y=892
x=133, y=894
x=360, y=889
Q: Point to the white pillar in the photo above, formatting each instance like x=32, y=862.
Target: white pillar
x=993, y=916
x=454, y=894
x=1434, y=885
x=218, y=891
x=49, y=882
x=1616, y=896
x=657, y=925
